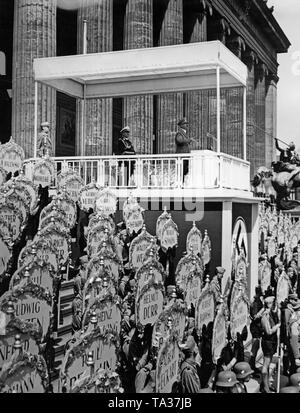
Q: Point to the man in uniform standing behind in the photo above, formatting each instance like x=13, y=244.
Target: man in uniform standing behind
x=183, y=142
x=190, y=381
x=125, y=148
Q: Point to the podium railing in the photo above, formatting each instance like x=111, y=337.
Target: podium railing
x=196, y=170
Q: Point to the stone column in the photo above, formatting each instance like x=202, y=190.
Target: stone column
x=234, y=106
x=138, y=110
x=260, y=115
x=250, y=60
x=197, y=101
x=170, y=105
x=98, y=113
x=34, y=37
x=271, y=118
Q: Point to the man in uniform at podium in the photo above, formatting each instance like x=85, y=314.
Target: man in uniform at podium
x=125, y=148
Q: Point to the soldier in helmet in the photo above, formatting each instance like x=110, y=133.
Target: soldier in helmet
x=226, y=382
x=190, y=381
x=243, y=373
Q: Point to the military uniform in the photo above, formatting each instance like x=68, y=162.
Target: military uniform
x=125, y=147
x=216, y=282
x=190, y=381
x=145, y=380
x=239, y=388
x=183, y=143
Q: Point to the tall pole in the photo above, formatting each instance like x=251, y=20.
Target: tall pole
x=218, y=111
x=35, y=117
x=245, y=123
x=83, y=114
x=84, y=36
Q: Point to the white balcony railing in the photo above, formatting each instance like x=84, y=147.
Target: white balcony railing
x=207, y=170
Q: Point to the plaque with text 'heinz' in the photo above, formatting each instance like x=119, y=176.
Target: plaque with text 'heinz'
x=107, y=312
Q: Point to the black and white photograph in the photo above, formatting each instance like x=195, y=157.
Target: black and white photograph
x=150, y=199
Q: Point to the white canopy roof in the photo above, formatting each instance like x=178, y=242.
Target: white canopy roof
x=142, y=71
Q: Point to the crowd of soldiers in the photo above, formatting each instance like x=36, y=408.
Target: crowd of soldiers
x=274, y=315
x=198, y=372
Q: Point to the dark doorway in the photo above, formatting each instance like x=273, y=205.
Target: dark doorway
x=119, y=10
x=66, y=105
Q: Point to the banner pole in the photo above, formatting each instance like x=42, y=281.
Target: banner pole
x=35, y=117
x=218, y=111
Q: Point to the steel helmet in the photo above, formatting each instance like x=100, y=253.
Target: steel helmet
x=289, y=389
x=295, y=379
x=284, y=381
x=242, y=370
x=226, y=379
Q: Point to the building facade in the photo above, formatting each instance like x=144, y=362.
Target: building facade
x=46, y=28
